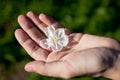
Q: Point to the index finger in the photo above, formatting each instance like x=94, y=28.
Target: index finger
x=30, y=46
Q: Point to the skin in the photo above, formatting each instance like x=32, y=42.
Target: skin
x=84, y=55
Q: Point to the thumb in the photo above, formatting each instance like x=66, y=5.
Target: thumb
x=55, y=69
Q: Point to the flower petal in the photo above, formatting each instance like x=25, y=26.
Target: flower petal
x=60, y=32
x=64, y=40
x=56, y=39
x=45, y=43
x=51, y=42
x=50, y=30
x=56, y=47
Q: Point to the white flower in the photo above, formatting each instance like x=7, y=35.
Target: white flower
x=56, y=39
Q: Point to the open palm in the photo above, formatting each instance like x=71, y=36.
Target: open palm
x=81, y=56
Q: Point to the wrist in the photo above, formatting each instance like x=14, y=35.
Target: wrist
x=114, y=72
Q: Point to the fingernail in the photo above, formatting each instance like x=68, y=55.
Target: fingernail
x=28, y=69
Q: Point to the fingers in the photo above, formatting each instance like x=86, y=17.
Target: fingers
x=29, y=28
x=33, y=17
x=54, y=69
x=50, y=21
x=30, y=46
x=43, y=21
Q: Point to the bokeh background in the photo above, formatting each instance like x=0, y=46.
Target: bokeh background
x=99, y=17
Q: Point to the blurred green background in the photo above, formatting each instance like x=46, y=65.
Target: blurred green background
x=99, y=17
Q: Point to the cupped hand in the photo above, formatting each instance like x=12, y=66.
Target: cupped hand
x=84, y=55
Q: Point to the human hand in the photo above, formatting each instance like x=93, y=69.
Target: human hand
x=82, y=56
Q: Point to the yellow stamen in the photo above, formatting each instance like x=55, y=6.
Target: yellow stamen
x=56, y=39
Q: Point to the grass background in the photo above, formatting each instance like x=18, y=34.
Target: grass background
x=99, y=17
